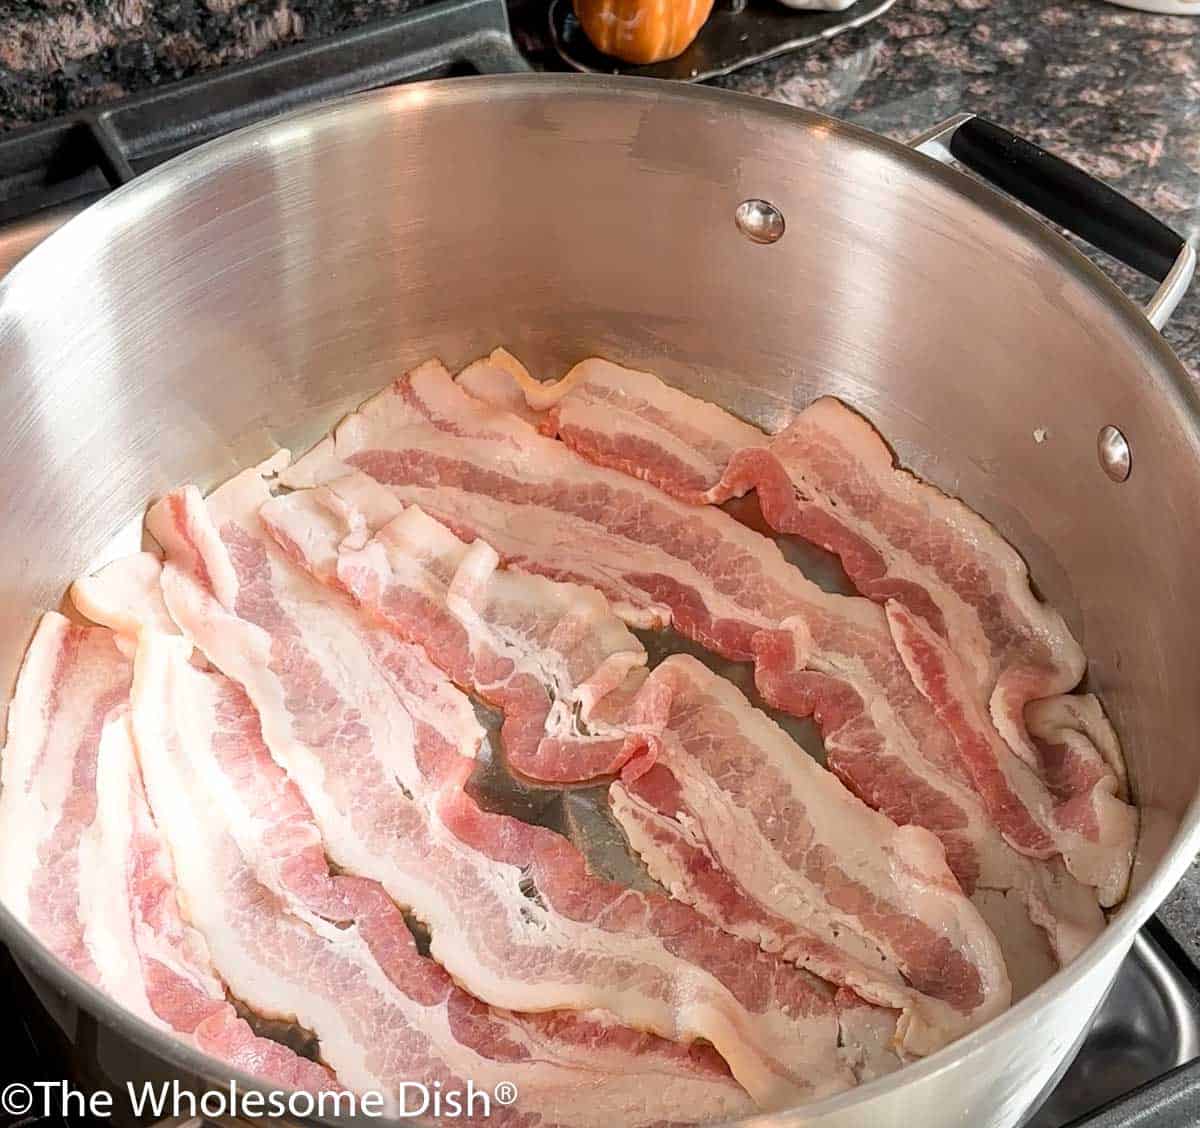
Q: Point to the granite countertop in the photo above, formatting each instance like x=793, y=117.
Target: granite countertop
x=1116, y=91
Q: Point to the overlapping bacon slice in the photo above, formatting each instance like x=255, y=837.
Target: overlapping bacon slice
x=978, y=642
x=487, y=474
x=544, y=653
x=379, y=743
x=888, y=914
x=83, y=864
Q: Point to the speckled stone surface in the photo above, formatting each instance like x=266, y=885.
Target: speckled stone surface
x=60, y=55
x=1181, y=912
x=1114, y=90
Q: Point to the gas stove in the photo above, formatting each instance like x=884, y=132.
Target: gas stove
x=1140, y=1063
x=48, y=172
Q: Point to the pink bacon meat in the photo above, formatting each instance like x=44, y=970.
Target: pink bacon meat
x=622, y=418
x=488, y=474
x=83, y=862
x=72, y=682
x=924, y=784
x=1095, y=843
x=327, y=531
x=378, y=741
x=542, y=652
x=334, y=953
x=808, y=869
x=831, y=479
x=404, y=572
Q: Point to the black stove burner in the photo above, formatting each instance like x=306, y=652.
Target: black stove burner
x=37, y=1050
x=1141, y=1055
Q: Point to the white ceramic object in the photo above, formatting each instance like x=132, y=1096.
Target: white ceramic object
x=1166, y=7
x=817, y=5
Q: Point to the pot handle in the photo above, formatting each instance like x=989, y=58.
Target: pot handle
x=1172, y=1101
x=1070, y=197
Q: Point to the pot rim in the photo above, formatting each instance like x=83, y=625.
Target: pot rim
x=153, y=189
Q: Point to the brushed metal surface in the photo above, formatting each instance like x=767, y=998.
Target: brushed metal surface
x=18, y=238
x=242, y=296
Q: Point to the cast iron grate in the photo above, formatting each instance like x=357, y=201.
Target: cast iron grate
x=76, y=158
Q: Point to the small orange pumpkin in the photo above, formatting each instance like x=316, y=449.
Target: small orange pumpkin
x=642, y=31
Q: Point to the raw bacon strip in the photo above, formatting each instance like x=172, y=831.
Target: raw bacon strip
x=356, y=719
x=1094, y=838
x=542, y=652
x=723, y=778
x=901, y=538
x=72, y=680
x=830, y=478
x=83, y=863
x=688, y=871
x=334, y=953
x=319, y=527
x=486, y=474
x=622, y=418
x=172, y=958
x=923, y=783
x=692, y=876
x=1033, y=822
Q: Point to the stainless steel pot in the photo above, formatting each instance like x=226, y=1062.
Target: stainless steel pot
x=238, y=298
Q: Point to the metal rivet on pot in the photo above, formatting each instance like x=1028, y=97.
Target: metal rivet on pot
x=1113, y=450
x=759, y=221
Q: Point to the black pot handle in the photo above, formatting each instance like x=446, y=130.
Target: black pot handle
x=1071, y=198
x=1173, y=1101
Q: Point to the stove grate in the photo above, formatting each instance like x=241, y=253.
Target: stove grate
x=74, y=159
